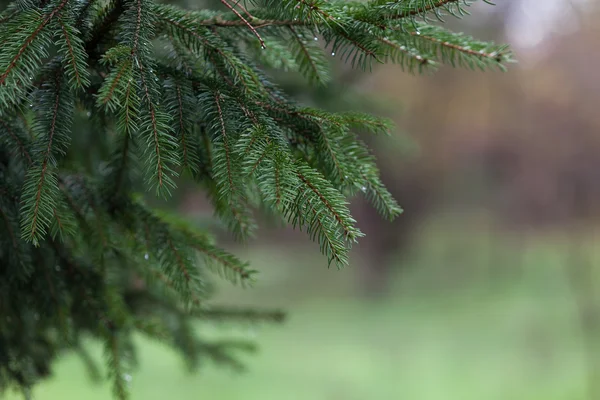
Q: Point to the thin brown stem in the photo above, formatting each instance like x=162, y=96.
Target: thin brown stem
x=245, y=21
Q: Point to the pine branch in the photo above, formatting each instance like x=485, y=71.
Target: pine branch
x=312, y=64
x=181, y=104
x=416, y=8
x=349, y=231
x=73, y=50
x=95, y=95
x=100, y=30
x=117, y=374
x=235, y=314
x=29, y=40
x=407, y=58
x=456, y=49
x=40, y=190
x=9, y=229
x=225, y=141
x=240, y=16
x=18, y=141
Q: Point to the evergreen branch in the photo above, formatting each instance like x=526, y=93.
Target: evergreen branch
x=332, y=246
x=310, y=64
x=82, y=12
x=118, y=182
x=161, y=150
x=34, y=222
x=494, y=55
x=358, y=44
x=238, y=4
x=182, y=126
x=406, y=57
x=80, y=184
x=75, y=54
x=224, y=262
x=92, y=369
x=8, y=17
x=100, y=30
x=421, y=7
x=225, y=142
x=219, y=52
x=25, y=46
x=215, y=258
x=181, y=104
x=155, y=132
x=251, y=315
x=22, y=149
x=455, y=48
x=170, y=284
x=106, y=98
x=241, y=17
x=314, y=8
x=71, y=55
x=349, y=232
x=164, y=86
x=9, y=228
x=380, y=197
x=180, y=262
x=138, y=25
x=255, y=23
x=116, y=371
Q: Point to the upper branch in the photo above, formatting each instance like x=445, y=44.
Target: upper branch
x=425, y=8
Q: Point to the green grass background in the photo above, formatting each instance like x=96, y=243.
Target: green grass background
x=472, y=326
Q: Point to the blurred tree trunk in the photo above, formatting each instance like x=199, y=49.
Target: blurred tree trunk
x=387, y=246
x=582, y=275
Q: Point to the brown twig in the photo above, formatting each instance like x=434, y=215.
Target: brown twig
x=245, y=21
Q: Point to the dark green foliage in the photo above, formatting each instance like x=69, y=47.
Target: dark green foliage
x=103, y=100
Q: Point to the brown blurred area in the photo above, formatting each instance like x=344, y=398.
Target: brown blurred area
x=521, y=147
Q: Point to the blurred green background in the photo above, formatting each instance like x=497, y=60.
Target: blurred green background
x=447, y=332
x=487, y=286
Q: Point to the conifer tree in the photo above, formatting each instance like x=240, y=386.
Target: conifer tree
x=102, y=101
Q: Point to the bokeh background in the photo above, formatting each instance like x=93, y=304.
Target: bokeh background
x=485, y=288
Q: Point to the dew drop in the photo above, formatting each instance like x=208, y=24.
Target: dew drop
x=333, y=53
x=417, y=33
x=31, y=106
x=89, y=113
x=316, y=38
x=262, y=46
x=364, y=189
x=146, y=256
x=127, y=377
x=30, y=78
